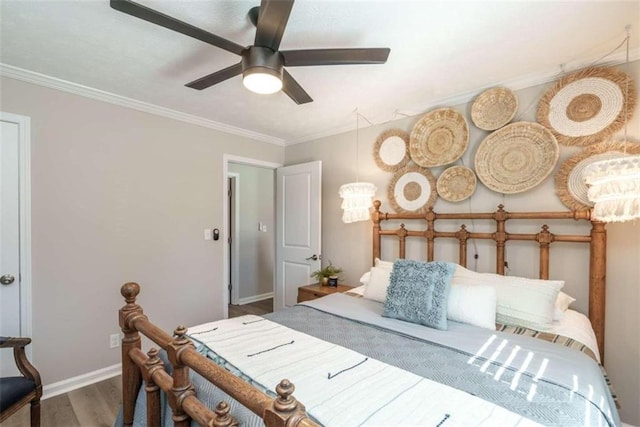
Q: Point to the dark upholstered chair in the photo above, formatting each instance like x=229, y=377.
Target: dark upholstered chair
x=15, y=392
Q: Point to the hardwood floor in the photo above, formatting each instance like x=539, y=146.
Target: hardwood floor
x=97, y=405
x=258, y=308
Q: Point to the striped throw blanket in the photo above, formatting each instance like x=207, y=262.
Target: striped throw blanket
x=339, y=386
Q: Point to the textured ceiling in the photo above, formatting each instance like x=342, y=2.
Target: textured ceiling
x=441, y=51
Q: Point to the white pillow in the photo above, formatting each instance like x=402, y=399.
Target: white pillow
x=520, y=301
x=473, y=304
x=562, y=304
x=376, y=288
x=365, y=278
x=384, y=264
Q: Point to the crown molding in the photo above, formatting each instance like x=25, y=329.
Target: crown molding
x=111, y=98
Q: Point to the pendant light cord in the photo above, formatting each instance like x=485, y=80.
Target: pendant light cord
x=357, y=143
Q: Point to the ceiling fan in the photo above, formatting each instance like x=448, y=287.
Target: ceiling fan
x=262, y=64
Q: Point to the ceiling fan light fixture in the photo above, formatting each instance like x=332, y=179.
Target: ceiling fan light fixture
x=262, y=70
x=261, y=80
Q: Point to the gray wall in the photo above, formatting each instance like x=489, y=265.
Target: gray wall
x=257, y=249
x=119, y=195
x=349, y=245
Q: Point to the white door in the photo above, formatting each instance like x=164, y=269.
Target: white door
x=14, y=296
x=298, y=216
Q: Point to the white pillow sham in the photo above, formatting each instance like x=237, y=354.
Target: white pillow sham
x=384, y=264
x=378, y=283
x=519, y=301
x=562, y=304
x=473, y=304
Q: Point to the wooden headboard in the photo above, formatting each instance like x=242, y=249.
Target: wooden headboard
x=597, y=240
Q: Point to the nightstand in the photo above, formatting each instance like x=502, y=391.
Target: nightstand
x=311, y=292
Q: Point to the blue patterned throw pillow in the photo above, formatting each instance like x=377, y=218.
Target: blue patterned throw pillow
x=418, y=292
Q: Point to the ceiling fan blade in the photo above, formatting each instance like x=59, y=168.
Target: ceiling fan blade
x=217, y=77
x=291, y=87
x=301, y=58
x=150, y=15
x=272, y=21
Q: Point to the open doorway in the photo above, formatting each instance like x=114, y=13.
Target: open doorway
x=249, y=232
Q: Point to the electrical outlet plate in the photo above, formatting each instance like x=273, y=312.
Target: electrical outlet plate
x=114, y=340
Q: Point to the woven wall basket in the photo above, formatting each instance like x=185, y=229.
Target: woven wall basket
x=412, y=189
x=516, y=157
x=456, y=183
x=569, y=180
x=494, y=108
x=391, y=150
x=588, y=106
x=439, y=138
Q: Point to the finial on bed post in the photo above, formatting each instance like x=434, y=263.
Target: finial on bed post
x=223, y=419
x=285, y=410
x=131, y=376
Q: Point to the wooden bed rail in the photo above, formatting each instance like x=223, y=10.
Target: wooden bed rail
x=597, y=240
x=281, y=411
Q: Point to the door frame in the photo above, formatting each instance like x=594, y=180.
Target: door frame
x=226, y=159
x=234, y=230
x=24, y=182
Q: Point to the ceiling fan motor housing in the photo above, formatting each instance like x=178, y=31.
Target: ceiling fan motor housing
x=259, y=59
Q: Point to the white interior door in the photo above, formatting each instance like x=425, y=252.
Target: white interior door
x=15, y=300
x=298, y=219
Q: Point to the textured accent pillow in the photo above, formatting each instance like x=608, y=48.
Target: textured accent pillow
x=520, y=301
x=377, y=285
x=473, y=304
x=418, y=292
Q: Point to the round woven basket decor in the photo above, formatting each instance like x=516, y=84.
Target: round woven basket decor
x=569, y=180
x=588, y=106
x=439, y=138
x=412, y=189
x=516, y=157
x=391, y=150
x=494, y=108
x=456, y=183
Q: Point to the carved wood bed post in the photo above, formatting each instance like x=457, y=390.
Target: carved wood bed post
x=462, y=235
x=597, y=281
x=544, y=238
x=500, y=236
x=181, y=382
x=402, y=242
x=131, y=375
x=375, y=216
x=430, y=233
x=153, y=391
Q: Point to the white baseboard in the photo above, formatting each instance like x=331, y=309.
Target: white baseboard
x=80, y=381
x=255, y=298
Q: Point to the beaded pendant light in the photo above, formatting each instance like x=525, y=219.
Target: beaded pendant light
x=357, y=196
x=614, y=184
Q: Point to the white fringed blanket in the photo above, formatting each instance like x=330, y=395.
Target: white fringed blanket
x=339, y=386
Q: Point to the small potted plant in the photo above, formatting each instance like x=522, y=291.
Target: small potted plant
x=323, y=275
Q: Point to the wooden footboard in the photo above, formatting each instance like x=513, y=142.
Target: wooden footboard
x=137, y=367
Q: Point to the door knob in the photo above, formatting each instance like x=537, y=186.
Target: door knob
x=7, y=279
x=313, y=257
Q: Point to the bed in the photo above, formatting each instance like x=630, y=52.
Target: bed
x=352, y=360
